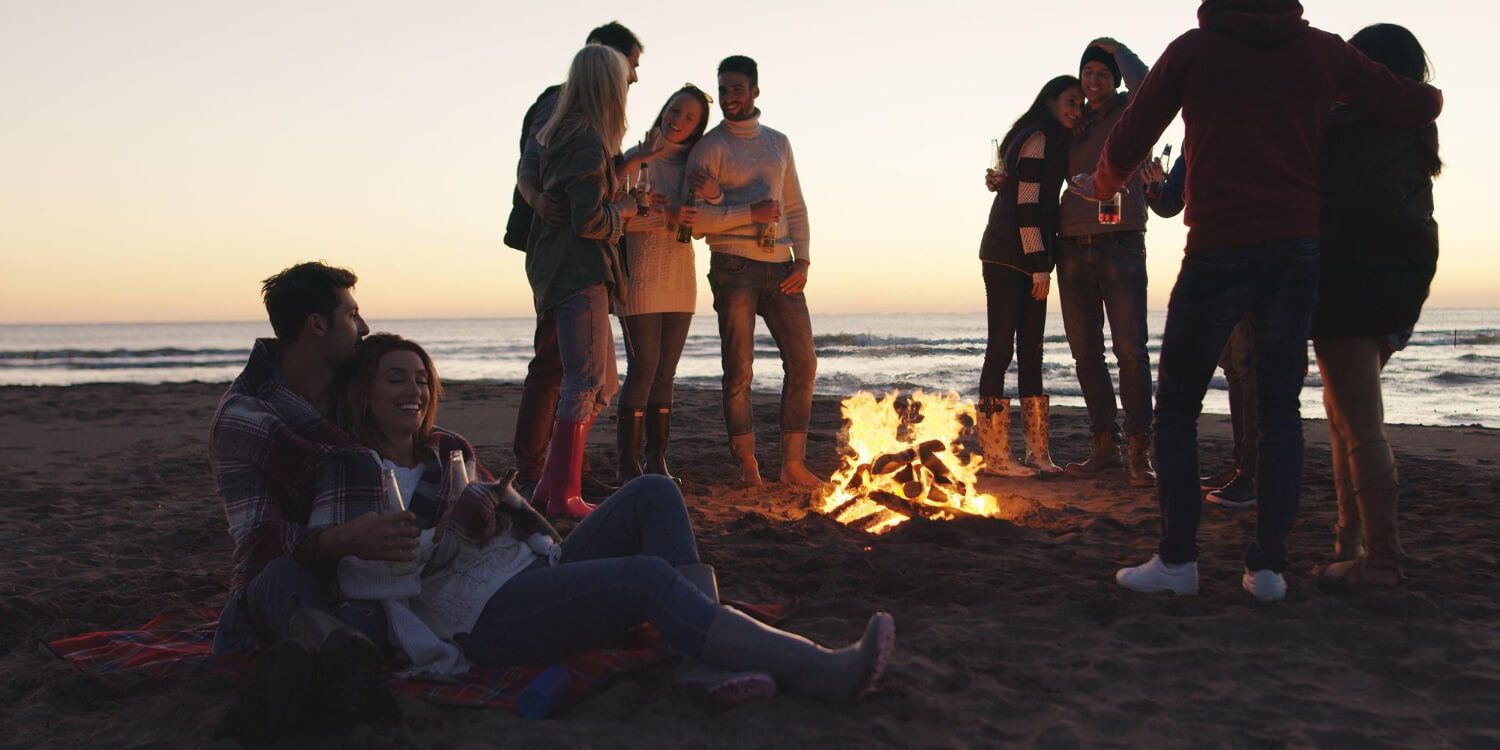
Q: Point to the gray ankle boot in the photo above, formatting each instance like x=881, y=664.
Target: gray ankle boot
x=738, y=641
x=723, y=688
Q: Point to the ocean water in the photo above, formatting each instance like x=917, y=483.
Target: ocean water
x=1448, y=375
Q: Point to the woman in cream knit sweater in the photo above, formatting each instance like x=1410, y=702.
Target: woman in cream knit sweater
x=663, y=290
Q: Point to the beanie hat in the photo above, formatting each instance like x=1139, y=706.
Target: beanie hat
x=1095, y=53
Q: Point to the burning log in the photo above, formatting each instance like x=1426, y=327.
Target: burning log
x=907, y=473
x=873, y=520
x=839, y=509
x=905, y=507
x=912, y=490
x=860, y=476
x=928, y=453
x=892, y=462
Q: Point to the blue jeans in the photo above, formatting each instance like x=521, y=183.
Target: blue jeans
x=1107, y=278
x=587, y=349
x=261, y=613
x=744, y=288
x=653, y=344
x=1276, y=285
x=618, y=570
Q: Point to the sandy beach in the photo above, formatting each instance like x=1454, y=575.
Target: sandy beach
x=1010, y=632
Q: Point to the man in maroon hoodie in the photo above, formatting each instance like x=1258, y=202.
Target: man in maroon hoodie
x=1254, y=84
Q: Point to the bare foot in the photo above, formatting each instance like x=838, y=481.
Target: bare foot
x=797, y=474
x=749, y=474
x=1360, y=573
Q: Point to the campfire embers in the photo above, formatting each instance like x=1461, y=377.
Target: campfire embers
x=901, y=461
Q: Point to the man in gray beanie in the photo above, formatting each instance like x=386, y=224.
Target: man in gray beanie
x=1101, y=272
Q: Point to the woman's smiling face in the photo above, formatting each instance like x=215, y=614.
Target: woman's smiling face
x=400, y=393
x=681, y=118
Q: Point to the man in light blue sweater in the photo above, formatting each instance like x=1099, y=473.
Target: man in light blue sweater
x=756, y=225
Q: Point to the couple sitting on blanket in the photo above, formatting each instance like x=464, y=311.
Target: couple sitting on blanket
x=299, y=446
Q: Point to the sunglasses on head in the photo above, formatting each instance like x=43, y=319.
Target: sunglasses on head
x=705, y=94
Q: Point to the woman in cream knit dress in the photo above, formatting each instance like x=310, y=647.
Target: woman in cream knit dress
x=663, y=290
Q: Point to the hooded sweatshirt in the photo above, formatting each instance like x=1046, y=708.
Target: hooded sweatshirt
x=1254, y=83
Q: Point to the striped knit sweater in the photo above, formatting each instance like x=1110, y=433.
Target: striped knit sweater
x=1024, y=216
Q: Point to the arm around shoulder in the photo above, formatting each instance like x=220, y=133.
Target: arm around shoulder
x=1392, y=98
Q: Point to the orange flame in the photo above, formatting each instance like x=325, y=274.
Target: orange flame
x=904, y=464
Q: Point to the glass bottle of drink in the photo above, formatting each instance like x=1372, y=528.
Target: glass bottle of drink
x=1166, y=166
x=458, y=476
x=1109, y=210
x=997, y=164
x=395, y=503
x=685, y=230
x=768, y=235
x=643, y=190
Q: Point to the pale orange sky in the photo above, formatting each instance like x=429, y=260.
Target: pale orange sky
x=159, y=158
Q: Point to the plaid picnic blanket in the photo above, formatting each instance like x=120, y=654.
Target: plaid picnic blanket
x=181, y=643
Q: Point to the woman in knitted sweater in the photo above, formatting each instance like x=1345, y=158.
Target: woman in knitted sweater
x=1017, y=259
x=663, y=289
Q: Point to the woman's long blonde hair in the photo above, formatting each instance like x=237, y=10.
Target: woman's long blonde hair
x=593, y=96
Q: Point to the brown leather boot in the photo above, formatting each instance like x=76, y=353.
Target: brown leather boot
x=1142, y=474
x=1103, y=454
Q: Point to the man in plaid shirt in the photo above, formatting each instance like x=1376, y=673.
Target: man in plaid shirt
x=298, y=496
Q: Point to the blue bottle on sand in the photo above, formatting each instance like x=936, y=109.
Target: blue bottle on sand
x=544, y=693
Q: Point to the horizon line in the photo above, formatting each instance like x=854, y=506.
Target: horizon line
x=219, y=321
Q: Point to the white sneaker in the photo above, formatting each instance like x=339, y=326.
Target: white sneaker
x=1265, y=585
x=1156, y=576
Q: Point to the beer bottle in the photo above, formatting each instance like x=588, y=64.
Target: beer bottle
x=685, y=230
x=394, y=503
x=458, y=476
x=643, y=190
x=768, y=236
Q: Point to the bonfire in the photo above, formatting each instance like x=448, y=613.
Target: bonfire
x=901, y=459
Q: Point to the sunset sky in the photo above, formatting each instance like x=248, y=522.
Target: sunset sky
x=159, y=158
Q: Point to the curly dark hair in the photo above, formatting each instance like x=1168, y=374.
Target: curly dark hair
x=302, y=290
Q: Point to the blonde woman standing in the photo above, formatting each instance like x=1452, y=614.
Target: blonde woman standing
x=576, y=270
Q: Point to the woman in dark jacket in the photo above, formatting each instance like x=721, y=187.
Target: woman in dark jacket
x=1379, y=254
x=575, y=270
x=1016, y=252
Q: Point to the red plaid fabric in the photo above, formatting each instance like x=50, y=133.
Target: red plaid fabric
x=181, y=643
